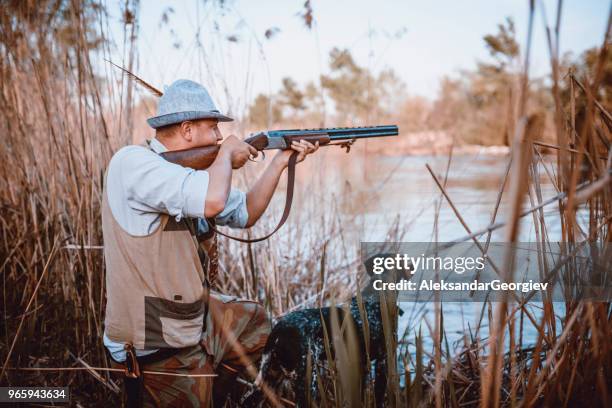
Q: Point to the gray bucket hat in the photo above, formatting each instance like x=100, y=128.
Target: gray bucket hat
x=185, y=100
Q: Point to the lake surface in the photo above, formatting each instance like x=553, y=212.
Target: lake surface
x=389, y=187
x=381, y=191
x=371, y=194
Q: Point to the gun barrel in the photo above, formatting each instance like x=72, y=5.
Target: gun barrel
x=341, y=133
x=362, y=132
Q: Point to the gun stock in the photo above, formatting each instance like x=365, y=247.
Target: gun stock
x=198, y=158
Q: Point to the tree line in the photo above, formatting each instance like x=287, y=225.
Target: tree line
x=475, y=106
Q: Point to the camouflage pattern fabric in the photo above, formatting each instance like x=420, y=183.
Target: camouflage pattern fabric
x=236, y=332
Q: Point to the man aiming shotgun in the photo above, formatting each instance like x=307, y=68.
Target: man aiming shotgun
x=158, y=221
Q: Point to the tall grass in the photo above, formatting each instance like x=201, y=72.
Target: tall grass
x=60, y=122
x=56, y=140
x=569, y=364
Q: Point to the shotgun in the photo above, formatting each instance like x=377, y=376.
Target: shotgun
x=200, y=158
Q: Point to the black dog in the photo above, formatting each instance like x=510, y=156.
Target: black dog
x=301, y=334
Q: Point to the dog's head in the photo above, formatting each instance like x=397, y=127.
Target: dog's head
x=282, y=352
x=279, y=361
x=376, y=270
x=393, y=274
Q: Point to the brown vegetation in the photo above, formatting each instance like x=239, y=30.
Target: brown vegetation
x=61, y=120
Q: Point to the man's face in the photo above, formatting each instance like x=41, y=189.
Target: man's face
x=205, y=132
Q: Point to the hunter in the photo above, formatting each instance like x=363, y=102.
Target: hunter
x=161, y=312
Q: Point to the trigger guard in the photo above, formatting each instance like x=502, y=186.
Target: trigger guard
x=257, y=161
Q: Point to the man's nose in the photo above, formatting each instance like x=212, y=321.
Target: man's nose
x=218, y=133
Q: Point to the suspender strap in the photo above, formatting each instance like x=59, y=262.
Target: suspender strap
x=134, y=389
x=133, y=382
x=133, y=379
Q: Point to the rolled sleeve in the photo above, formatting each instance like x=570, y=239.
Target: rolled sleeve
x=194, y=193
x=153, y=184
x=235, y=213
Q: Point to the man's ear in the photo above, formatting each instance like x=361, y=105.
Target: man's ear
x=186, y=130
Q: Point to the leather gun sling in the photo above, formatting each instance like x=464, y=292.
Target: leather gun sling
x=288, y=201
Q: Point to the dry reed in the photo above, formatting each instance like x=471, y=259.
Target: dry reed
x=60, y=124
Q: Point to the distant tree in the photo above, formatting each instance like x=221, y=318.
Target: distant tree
x=414, y=114
x=493, y=87
x=291, y=97
x=264, y=112
x=315, y=104
x=357, y=94
x=347, y=86
x=454, y=110
x=389, y=91
x=480, y=106
x=451, y=104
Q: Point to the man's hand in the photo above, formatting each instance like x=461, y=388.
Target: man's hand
x=303, y=147
x=237, y=150
x=235, y=153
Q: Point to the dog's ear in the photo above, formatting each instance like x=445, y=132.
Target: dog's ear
x=391, y=275
x=369, y=263
x=288, y=347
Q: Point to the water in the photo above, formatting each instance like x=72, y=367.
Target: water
x=382, y=190
x=371, y=193
x=390, y=187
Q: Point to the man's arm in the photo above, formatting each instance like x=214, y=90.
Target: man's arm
x=259, y=196
x=219, y=183
x=233, y=154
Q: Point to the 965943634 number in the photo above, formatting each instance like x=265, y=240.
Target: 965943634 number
x=34, y=394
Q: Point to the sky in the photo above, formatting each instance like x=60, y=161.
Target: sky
x=422, y=41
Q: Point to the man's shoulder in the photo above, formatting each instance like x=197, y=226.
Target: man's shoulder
x=132, y=154
x=126, y=185
x=134, y=149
